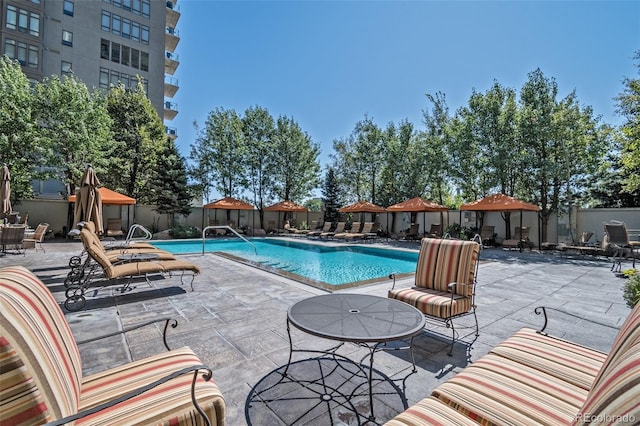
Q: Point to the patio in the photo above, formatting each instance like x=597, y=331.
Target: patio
x=235, y=321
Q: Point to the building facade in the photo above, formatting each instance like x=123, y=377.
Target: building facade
x=102, y=42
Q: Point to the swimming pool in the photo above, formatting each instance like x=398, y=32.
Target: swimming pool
x=329, y=267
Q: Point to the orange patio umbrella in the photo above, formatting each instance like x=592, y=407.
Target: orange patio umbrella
x=418, y=204
x=227, y=203
x=287, y=206
x=500, y=203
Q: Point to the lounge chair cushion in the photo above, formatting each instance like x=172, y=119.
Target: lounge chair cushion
x=572, y=363
x=432, y=302
x=442, y=262
x=430, y=411
x=151, y=407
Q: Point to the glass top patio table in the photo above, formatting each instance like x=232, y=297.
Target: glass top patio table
x=357, y=318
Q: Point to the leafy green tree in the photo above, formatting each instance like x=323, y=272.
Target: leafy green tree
x=628, y=106
x=434, y=144
x=258, y=127
x=18, y=129
x=296, y=169
x=138, y=135
x=169, y=185
x=220, y=152
x=332, y=196
x=75, y=127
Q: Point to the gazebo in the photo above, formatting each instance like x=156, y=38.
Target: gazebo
x=227, y=203
x=287, y=206
x=362, y=207
x=418, y=204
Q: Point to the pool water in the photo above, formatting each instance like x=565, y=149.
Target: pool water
x=324, y=265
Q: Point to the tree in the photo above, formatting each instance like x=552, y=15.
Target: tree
x=138, y=135
x=258, y=127
x=169, y=185
x=434, y=144
x=295, y=170
x=628, y=106
x=75, y=128
x=331, y=194
x=18, y=148
x=219, y=153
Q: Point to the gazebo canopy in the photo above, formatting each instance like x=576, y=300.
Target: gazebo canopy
x=110, y=197
x=362, y=207
x=228, y=203
x=499, y=203
x=286, y=206
x=417, y=204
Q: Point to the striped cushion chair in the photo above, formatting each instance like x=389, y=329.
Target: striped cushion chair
x=41, y=374
x=445, y=281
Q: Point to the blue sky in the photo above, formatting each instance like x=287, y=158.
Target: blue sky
x=328, y=63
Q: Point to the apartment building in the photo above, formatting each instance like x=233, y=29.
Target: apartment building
x=103, y=42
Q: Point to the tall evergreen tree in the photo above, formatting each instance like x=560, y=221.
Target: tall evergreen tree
x=169, y=186
x=331, y=194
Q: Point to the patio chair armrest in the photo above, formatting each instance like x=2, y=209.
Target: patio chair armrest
x=168, y=321
x=453, y=288
x=196, y=369
x=542, y=310
x=393, y=277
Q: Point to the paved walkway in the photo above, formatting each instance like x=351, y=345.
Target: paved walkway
x=235, y=321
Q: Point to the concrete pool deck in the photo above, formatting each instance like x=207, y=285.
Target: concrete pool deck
x=235, y=320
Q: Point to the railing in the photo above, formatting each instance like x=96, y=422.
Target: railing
x=204, y=232
x=132, y=230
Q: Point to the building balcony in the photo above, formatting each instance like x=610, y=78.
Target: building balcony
x=170, y=86
x=171, y=39
x=171, y=132
x=170, y=110
x=173, y=13
x=171, y=62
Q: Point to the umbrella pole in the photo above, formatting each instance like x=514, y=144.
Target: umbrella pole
x=521, y=239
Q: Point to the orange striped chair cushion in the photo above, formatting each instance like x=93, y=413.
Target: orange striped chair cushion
x=570, y=362
x=152, y=407
x=20, y=399
x=32, y=322
x=615, y=395
x=497, y=391
x=432, y=302
x=430, y=411
x=442, y=262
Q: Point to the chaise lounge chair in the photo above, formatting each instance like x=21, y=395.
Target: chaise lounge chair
x=316, y=233
x=37, y=238
x=339, y=229
x=435, y=231
x=355, y=228
x=488, y=235
x=618, y=239
x=114, y=228
x=41, y=378
x=519, y=240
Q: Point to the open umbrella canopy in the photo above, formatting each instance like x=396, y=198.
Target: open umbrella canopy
x=499, y=203
x=417, y=204
x=88, y=202
x=110, y=197
x=228, y=203
x=286, y=206
x=5, y=189
x=362, y=207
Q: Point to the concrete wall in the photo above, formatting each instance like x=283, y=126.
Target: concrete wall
x=560, y=228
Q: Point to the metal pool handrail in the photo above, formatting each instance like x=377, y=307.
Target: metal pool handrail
x=204, y=231
x=147, y=234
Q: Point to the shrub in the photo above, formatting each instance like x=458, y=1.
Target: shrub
x=181, y=232
x=632, y=290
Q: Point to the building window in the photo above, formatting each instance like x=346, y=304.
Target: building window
x=115, y=77
x=104, y=78
x=115, y=24
x=145, y=34
x=136, y=7
x=67, y=38
x=34, y=54
x=67, y=7
x=106, y=21
x=126, y=28
x=135, y=58
x=115, y=52
x=135, y=31
x=104, y=49
x=23, y=19
x=146, y=5
x=144, y=61
x=22, y=53
x=34, y=25
x=126, y=5
x=10, y=48
x=124, y=53
x=65, y=68
x=124, y=79
x=117, y=3
x=12, y=17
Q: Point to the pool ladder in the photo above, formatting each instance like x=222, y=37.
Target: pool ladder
x=204, y=232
